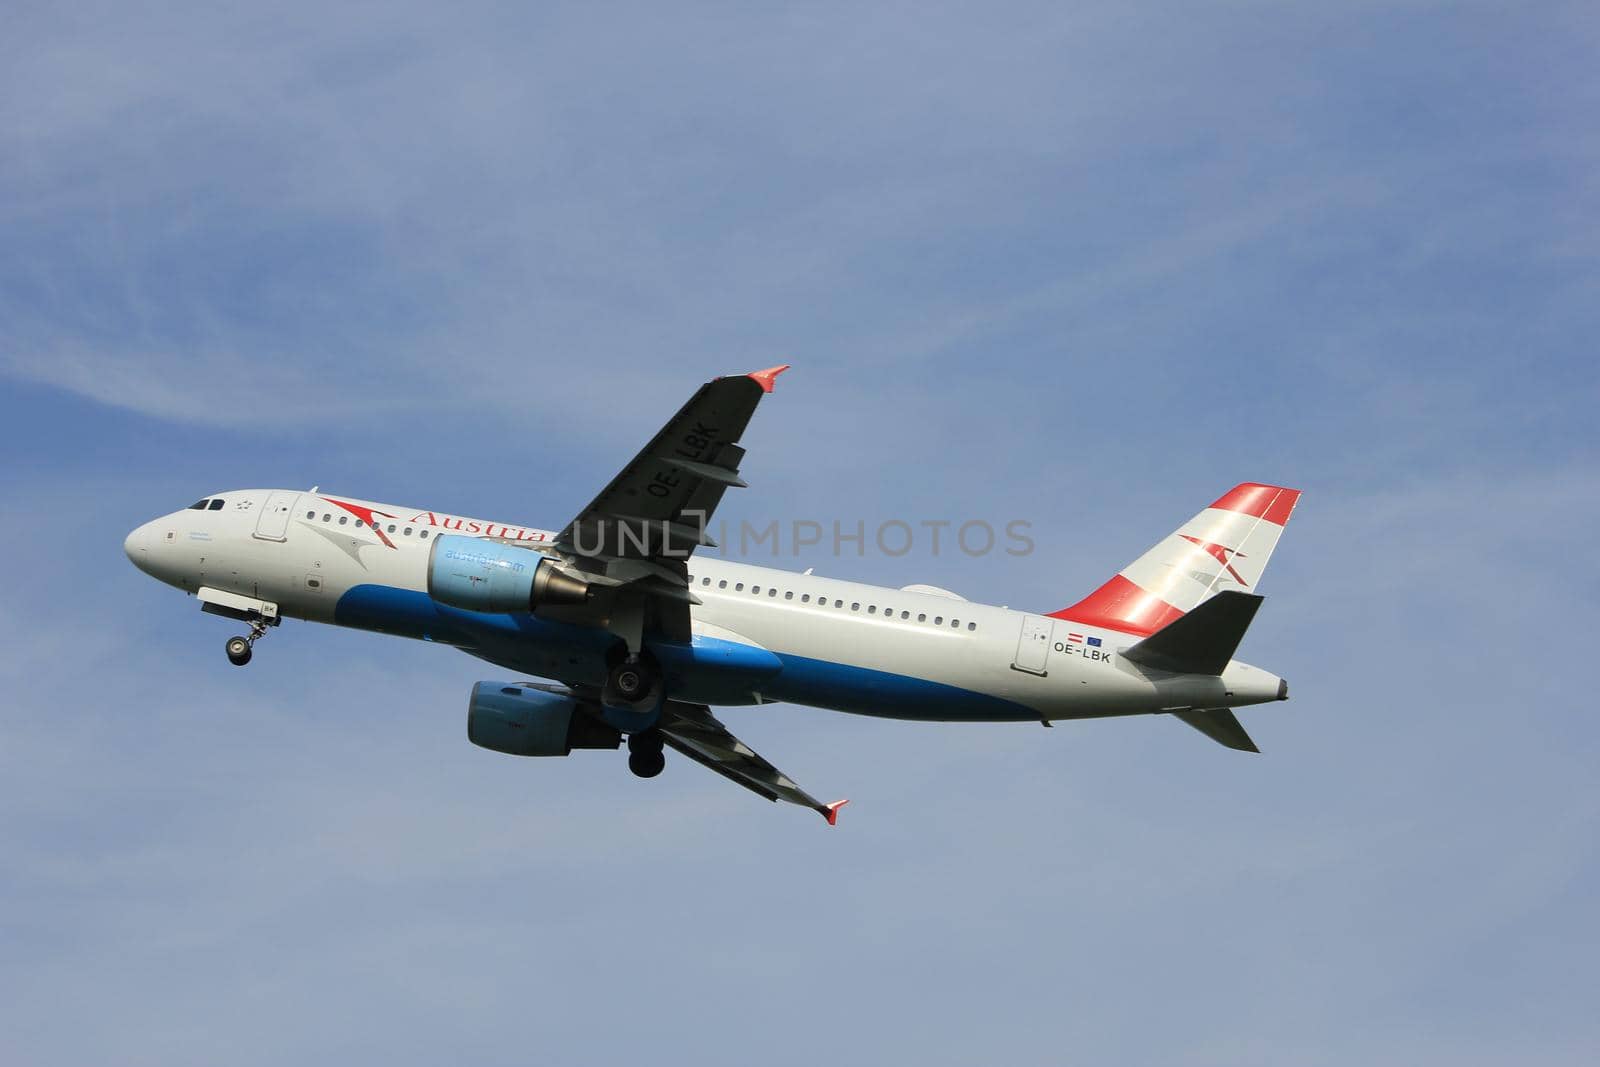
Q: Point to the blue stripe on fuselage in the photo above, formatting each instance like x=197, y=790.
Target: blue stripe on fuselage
x=864, y=691
x=710, y=670
x=574, y=654
x=404, y=612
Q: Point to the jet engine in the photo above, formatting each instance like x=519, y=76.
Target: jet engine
x=490, y=576
x=521, y=719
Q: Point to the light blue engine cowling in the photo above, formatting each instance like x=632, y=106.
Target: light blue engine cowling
x=490, y=576
x=521, y=719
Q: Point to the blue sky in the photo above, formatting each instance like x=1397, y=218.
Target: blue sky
x=1085, y=268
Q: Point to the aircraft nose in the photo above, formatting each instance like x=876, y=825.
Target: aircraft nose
x=137, y=546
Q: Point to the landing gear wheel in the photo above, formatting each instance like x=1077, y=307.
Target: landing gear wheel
x=239, y=647
x=645, y=741
x=632, y=680
x=238, y=651
x=647, y=764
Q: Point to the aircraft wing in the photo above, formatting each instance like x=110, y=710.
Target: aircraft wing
x=635, y=538
x=695, y=732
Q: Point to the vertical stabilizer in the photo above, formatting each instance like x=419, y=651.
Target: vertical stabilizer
x=1224, y=548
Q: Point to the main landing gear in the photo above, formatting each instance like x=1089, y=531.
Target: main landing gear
x=633, y=697
x=239, y=647
x=645, y=756
x=632, y=679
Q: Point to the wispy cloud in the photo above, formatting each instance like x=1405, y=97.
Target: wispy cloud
x=1088, y=267
x=351, y=222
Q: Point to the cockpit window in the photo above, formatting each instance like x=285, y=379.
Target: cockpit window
x=216, y=505
x=199, y=505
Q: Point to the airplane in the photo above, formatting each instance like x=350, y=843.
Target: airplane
x=632, y=636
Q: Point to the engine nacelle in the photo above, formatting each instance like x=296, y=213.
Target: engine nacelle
x=528, y=720
x=490, y=576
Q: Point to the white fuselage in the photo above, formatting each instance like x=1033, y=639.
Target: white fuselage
x=760, y=634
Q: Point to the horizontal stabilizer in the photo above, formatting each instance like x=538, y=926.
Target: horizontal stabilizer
x=1222, y=726
x=1201, y=642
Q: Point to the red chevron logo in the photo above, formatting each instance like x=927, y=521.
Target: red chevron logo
x=364, y=515
x=1222, y=554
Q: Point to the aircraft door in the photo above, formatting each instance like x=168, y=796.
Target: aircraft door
x=1033, y=646
x=273, y=525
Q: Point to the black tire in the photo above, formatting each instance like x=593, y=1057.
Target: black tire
x=645, y=741
x=238, y=651
x=647, y=764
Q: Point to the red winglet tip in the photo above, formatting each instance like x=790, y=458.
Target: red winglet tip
x=767, y=378
x=831, y=811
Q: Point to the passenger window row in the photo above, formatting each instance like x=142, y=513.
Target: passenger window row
x=822, y=602
x=344, y=520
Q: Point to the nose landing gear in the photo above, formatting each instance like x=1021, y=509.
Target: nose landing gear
x=239, y=648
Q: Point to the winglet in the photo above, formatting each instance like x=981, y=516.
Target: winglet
x=766, y=379
x=831, y=811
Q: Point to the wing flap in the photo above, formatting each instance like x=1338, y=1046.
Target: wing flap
x=660, y=502
x=692, y=730
x=633, y=541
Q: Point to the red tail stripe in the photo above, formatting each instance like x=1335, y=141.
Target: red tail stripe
x=1123, y=606
x=1271, y=502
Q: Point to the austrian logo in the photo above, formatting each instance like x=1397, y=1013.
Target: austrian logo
x=365, y=515
x=1222, y=554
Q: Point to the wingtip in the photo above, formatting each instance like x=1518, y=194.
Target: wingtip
x=769, y=377
x=831, y=811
